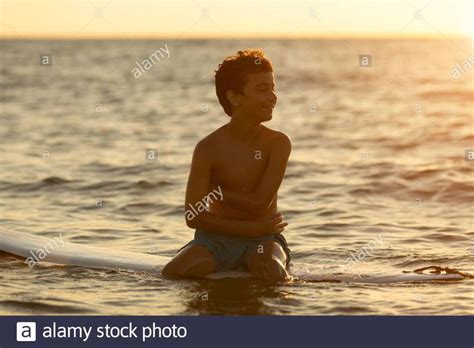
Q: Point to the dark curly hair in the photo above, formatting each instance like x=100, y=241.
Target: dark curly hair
x=233, y=71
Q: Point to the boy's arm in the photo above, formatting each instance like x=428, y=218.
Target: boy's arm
x=258, y=201
x=199, y=186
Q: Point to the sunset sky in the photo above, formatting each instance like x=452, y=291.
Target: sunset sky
x=235, y=18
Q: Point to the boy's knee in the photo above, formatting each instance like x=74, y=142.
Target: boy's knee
x=199, y=269
x=269, y=250
x=169, y=270
x=274, y=271
x=268, y=267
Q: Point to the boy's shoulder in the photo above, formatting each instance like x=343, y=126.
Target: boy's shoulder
x=211, y=139
x=278, y=135
x=277, y=139
x=214, y=138
x=267, y=133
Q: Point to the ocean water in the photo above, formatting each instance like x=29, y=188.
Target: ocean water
x=379, y=159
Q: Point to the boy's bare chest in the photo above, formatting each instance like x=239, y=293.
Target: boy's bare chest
x=240, y=167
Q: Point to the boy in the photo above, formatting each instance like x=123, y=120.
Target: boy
x=244, y=163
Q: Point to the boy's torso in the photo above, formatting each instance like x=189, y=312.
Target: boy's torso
x=238, y=166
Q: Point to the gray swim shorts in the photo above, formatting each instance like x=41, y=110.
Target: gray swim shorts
x=228, y=251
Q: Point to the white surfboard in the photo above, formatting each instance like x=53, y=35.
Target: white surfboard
x=58, y=251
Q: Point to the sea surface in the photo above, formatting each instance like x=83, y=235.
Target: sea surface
x=379, y=154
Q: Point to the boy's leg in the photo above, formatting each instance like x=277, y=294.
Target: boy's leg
x=267, y=260
x=192, y=261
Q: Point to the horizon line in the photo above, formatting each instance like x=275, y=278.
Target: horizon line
x=342, y=36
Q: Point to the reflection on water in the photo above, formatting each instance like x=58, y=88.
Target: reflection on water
x=237, y=296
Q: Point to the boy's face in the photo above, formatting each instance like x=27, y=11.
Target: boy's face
x=259, y=96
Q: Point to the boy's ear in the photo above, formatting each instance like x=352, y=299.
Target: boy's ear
x=234, y=98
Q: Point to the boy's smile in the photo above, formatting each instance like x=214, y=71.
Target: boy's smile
x=258, y=99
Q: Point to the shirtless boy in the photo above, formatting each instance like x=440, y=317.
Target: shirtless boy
x=244, y=162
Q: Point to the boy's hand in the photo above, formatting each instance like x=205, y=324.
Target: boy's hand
x=269, y=224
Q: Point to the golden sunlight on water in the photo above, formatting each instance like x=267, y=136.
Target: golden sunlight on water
x=379, y=158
